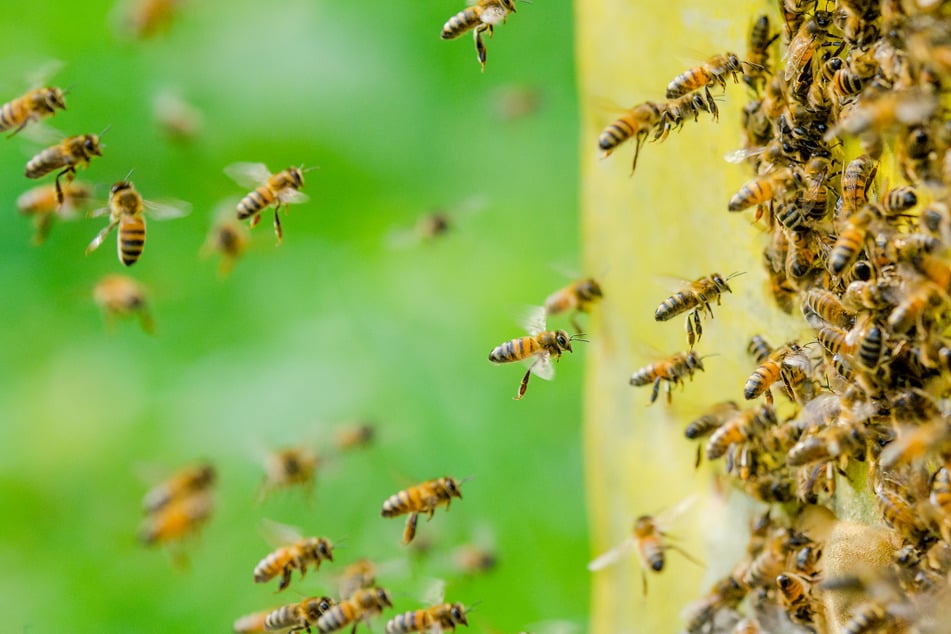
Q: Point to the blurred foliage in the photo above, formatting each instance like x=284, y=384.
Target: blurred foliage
x=332, y=326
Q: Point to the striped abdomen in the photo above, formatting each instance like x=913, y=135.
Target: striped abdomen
x=696, y=77
x=339, y=616
x=676, y=304
x=273, y=564
x=648, y=374
x=871, y=348
x=764, y=376
x=847, y=248
x=52, y=158
x=460, y=23
x=131, y=240
x=941, y=490
x=14, y=113
x=415, y=621
x=250, y=623
x=515, y=350
x=406, y=501
x=254, y=202
x=753, y=192
x=560, y=301
x=284, y=617
x=617, y=133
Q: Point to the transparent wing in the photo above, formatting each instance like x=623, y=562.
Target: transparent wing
x=98, y=212
x=668, y=516
x=399, y=238
x=624, y=549
x=434, y=592
x=290, y=196
x=277, y=534
x=740, y=155
x=248, y=174
x=167, y=209
x=542, y=367
x=38, y=77
x=100, y=238
x=534, y=320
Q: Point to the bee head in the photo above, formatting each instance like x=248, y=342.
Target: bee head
x=590, y=288
x=458, y=613
x=91, y=145
x=325, y=549
x=55, y=98
x=316, y=607
x=509, y=5
x=563, y=339
x=383, y=597
x=297, y=177
x=452, y=488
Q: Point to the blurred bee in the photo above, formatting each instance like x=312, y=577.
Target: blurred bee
x=362, y=606
x=141, y=19
x=673, y=370
x=127, y=211
x=251, y=623
x=354, y=436
x=804, y=44
x=228, y=238
x=360, y=574
x=796, y=599
x=825, y=306
x=576, y=297
x=472, y=559
x=515, y=101
x=295, y=617
x=34, y=106
x=292, y=466
x=299, y=554
x=725, y=594
x=713, y=71
x=649, y=540
x=277, y=190
x=636, y=123
x=183, y=483
x=760, y=39
x=438, y=618
x=916, y=301
x=41, y=204
x=740, y=428
x=422, y=498
x=900, y=514
x=178, y=119
x=177, y=519
x=875, y=115
x=762, y=189
x=76, y=151
x=695, y=297
x=899, y=200
x=867, y=618
x=434, y=224
x=536, y=350
x=803, y=254
x=711, y=420
x=481, y=17
x=759, y=348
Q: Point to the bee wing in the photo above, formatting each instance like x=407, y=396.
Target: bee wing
x=41, y=133
x=534, y=319
x=38, y=77
x=740, y=155
x=98, y=212
x=674, y=512
x=541, y=366
x=167, y=209
x=614, y=555
x=100, y=238
x=399, y=238
x=277, y=534
x=434, y=592
x=290, y=196
x=248, y=174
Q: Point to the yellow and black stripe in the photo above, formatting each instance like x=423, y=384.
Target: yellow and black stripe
x=514, y=350
x=460, y=23
x=131, y=239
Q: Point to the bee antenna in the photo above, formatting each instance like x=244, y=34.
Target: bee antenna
x=308, y=169
x=735, y=274
x=129, y=175
x=466, y=479
x=471, y=607
x=579, y=337
x=105, y=129
x=69, y=88
x=712, y=354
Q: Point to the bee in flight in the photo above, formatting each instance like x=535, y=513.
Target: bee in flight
x=536, y=350
x=362, y=606
x=434, y=224
x=35, y=105
x=41, y=204
x=695, y=297
x=121, y=296
x=673, y=370
x=127, y=211
x=277, y=190
x=576, y=297
x=176, y=520
x=422, y=498
x=354, y=436
x=480, y=17
x=438, y=618
x=228, y=238
x=68, y=154
x=649, y=540
x=297, y=552
x=183, y=483
x=293, y=466
x=295, y=617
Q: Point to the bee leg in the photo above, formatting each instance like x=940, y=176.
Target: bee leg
x=285, y=579
x=255, y=219
x=409, y=531
x=670, y=393
x=769, y=396
x=69, y=173
x=712, y=104
x=480, y=45
x=691, y=338
x=524, y=385
x=575, y=324
x=696, y=462
x=637, y=150
x=277, y=225
x=644, y=580
x=20, y=127
x=656, y=390
x=697, y=324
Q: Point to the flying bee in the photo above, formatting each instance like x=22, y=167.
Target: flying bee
x=182, y=484
x=695, y=297
x=675, y=112
x=175, y=520
x=438, y=618
x=251, y=623
x=760, y=39
x=292, y=466
x=142, y=19
x=804, y=44
x=127, y=212
x=303, y=552
x=762, y=189
x=673, y=370
x=710, y=420
x=362, y=606
x=42, y=205
x=228, y=238
x=713, y=71
x=740, y=428
x=359, y=574
x=649, y=540
x=481, y=17
x=636, y=123
x=422, y=498
x=34, y=106
x=818, y=303
x=277, y=190
x=434, y=224
x=295, y=617
x=577, y=297
x=354, y=436
x=76, y=151
x=536, y=350
x=179, y=120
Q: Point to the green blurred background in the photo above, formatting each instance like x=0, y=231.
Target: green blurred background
x=330, y=327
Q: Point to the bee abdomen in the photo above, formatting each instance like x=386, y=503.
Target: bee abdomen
x=407, y=622
x=266, y=569
x=615, y=134
x=12, y=114
x=397, y=504
x=460, y=23
x=252, y=203
x=644, y=376
x=684, y=83
x=844, y=252
x=757, y=383
x=281, y=618
x=45, y=162
x=131, y=242
x=335, y=619
x=674, y=305
x=513, y=350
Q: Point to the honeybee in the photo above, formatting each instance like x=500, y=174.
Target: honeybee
x=675, y=112
x=177, y=519
x=899, y=513
x=825, y=305
x=142, y=19
x=577, y=297
x=473, y=559
x=713, y=71
x=251, y=623
x=438, y=618
x=636, y=123
x=362, y=606
x=725, y=594
x=434, y=224
x=228, y=238
x=295, y=617
x=649, y=540
x=740, y=428
x=121, y=296
x=354, y=436
x=777, y=367
x=856, y=179
x=713, y=418
x=41, y=204
x=277, y=190
x=35, y=105
x=422, y=498
x=851, y=242
x=760, y=39
x=179, y=120
x=184, y=483
x=916, y=301
x=762, y=189
x=815, y=197
x=76, y=151
x=804, y=44
x=673, y=370
x=303, y=552
x=536, y=350
x=480, y=17
x=795, y=595
x=695, y=297
x=127, y=211
x=292, y=466
x=874, y=115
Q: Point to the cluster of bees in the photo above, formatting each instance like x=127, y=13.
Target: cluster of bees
x=849, y=141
